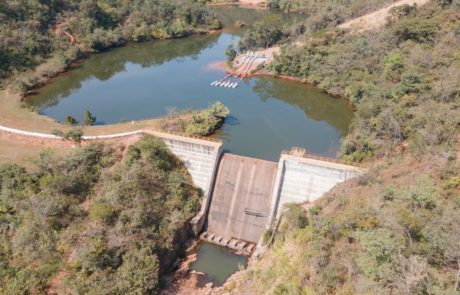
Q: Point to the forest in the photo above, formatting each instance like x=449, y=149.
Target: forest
x=55, y=33
x=105, y=220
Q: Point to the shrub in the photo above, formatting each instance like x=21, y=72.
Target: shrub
x=207, y=121
x=75, y=134
x=230, y=52
x=139, y=273
x=294, y=217
x=71, y=121
x=415, y=29
x=379, y=254
x=394, y=64
x=102, y=212
x=88, y=118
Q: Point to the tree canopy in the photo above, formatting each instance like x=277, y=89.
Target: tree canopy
x=96, y=222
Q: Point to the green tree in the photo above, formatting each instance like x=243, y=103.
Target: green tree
x=379, y=257
x=139, y=273
x=88, y=118
x=75, y=134
x=71, y=121
x=230, y=52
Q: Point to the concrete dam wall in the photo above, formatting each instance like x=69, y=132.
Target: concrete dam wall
x=301, y=179
x=201, y=157
x=241, y=199
x=244, y=196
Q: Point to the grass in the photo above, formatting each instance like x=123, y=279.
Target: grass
x=24, y=153
x=14, y=115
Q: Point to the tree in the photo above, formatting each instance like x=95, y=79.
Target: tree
x=88, y=118
x=230, y=52
x=74, y=134
x=139, y=272
x=71, y=121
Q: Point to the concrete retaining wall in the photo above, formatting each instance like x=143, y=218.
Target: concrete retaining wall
x=201, y=157
x=302, y=179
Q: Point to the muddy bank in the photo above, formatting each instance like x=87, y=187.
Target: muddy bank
x=184, y=281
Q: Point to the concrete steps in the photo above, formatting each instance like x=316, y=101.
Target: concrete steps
x=242, y=247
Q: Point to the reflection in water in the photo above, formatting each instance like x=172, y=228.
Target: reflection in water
x=230, y=16
x=143, y=80
x=105, y=66
x=317, y=105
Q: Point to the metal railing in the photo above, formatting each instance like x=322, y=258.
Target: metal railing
x=205, y=138
x=301, y=152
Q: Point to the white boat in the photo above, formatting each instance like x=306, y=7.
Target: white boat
x=235, y=85
x=226, y=84
x=214, y=83
x=218, y=83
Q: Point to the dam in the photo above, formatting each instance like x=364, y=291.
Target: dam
x=240, y=201
x=244, y=196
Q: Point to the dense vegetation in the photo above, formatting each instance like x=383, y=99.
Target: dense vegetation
x=329, y=10
x=196, y=123
x=403, y=81
x=316, y=15
x=96, y=222
x=32, y=32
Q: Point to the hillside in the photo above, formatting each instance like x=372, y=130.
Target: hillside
x=394, y=231
x=403, y=81
x=100, y=221
x=53, y=34
x=397, y=229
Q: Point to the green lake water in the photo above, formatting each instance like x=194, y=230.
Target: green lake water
x=218, y=263
x=141, y=81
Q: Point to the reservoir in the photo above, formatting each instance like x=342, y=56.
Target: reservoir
x=146, y=80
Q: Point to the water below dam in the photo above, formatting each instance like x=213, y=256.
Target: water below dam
x=218, y=263
x=141, y=81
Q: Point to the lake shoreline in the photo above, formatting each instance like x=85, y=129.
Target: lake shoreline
x=177, y=75
x=225, y=66
x=16, y=115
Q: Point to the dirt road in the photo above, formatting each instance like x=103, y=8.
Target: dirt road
x=377, y=19
x=368, y=22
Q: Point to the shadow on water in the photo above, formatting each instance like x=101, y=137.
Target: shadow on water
x=232, y=120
